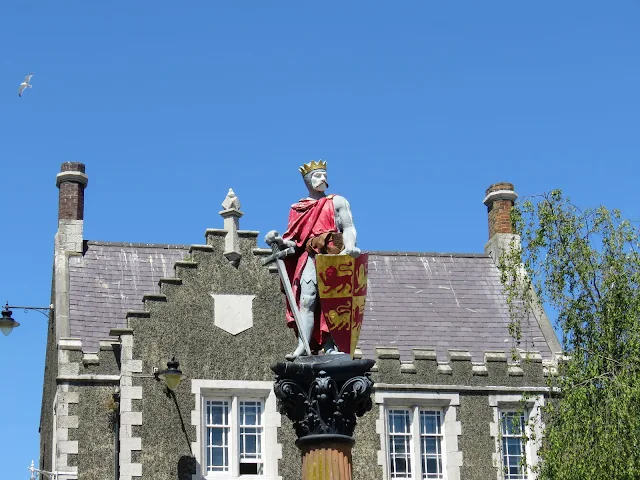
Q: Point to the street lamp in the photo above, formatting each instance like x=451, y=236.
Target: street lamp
x=7, y=324
x=40, y=473
x=171, y=376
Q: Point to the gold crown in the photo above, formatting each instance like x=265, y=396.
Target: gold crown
x=312, y=165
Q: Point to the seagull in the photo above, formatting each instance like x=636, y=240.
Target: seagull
x=25, y=84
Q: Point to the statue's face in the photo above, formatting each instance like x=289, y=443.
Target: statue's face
x=318, y=180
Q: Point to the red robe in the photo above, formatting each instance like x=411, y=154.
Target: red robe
x=307, y=219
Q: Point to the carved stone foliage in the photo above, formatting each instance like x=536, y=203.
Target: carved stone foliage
x=324, y=398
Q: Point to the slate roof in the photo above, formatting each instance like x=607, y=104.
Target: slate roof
x=414, y=300
x=442, y=302
x=111, y=279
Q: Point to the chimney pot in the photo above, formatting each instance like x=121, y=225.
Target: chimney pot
x=499, y=199
x=71, y=181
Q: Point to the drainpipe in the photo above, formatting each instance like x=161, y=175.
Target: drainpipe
x=116, y=435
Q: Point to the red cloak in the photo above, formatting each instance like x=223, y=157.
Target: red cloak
x=307, y=219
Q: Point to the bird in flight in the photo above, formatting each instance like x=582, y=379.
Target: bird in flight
x=25, y=84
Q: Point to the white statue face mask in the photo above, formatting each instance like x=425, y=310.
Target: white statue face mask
x=319, y=180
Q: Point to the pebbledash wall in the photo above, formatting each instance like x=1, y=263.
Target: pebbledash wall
x=105, y=416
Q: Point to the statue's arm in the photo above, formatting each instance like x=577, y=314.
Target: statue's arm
x=344, y=221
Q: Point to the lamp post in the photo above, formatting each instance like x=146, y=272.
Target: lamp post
x=7, y=323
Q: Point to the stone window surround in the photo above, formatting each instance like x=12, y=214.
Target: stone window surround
x=532, y=409
x=451, y=427
x=202, y=389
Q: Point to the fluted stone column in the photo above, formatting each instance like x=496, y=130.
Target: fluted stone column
x=322, y=395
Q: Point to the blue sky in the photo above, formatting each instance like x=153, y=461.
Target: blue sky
x=417, y=107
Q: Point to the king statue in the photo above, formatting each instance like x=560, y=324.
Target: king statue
x=322, y=270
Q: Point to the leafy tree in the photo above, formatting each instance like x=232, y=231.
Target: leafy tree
x=584, y=264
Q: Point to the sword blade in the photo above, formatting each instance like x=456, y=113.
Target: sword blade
x=288, y=291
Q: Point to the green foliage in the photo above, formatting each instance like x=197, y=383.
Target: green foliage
x=585, y=265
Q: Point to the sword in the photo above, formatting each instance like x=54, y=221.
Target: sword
x=277, y=257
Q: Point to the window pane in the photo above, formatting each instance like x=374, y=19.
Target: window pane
x=217, y=435
x=429, y=421
x=399, y=437
x=399, y=421
x=513, y=457
x=512, y=423
x=250, y=413
x=432, y=468
x=250, y=445
x=401, y=468
x=217, y=413
x=218, y=456
x=513, y=446
x=431, y=443
x=400, y=445
x=250, y=435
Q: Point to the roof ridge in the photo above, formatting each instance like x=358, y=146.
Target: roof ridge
x=427, y=254
x=165, y=246
x=371, y=252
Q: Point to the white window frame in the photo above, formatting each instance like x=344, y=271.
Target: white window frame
x=533, y=426
x=236, y=391
x=233, y=425
x=445, y=402
x=520, y=416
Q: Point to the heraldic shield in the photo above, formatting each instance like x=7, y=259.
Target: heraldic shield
x=342, y=288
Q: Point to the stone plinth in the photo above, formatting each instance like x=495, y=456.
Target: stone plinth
x=322, y=395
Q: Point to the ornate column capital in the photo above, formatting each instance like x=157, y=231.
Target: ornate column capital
x=323, y=395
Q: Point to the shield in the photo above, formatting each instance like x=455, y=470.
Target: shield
x=342, y=288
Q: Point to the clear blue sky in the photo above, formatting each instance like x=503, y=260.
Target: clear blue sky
x=418, y=106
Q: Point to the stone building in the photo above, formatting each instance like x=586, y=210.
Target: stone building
x=436, y=324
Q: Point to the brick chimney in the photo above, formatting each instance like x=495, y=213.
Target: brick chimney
x=499, y=199
x=71, y=182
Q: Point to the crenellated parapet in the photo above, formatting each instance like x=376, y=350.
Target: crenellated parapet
x=459, y=368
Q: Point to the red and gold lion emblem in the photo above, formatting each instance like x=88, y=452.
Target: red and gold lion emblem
x=342, y=288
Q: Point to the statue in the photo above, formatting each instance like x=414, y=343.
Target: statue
x=322, y=270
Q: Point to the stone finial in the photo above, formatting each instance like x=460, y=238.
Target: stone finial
x=231, y=202
x=231, y=215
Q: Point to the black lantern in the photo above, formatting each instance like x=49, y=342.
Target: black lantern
x=172, y=376
x=7, y=324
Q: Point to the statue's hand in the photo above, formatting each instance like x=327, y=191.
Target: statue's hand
x=274, y=237
x=353, y=251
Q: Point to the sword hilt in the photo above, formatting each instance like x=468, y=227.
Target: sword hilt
x=277, y=254
x=275, y=241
